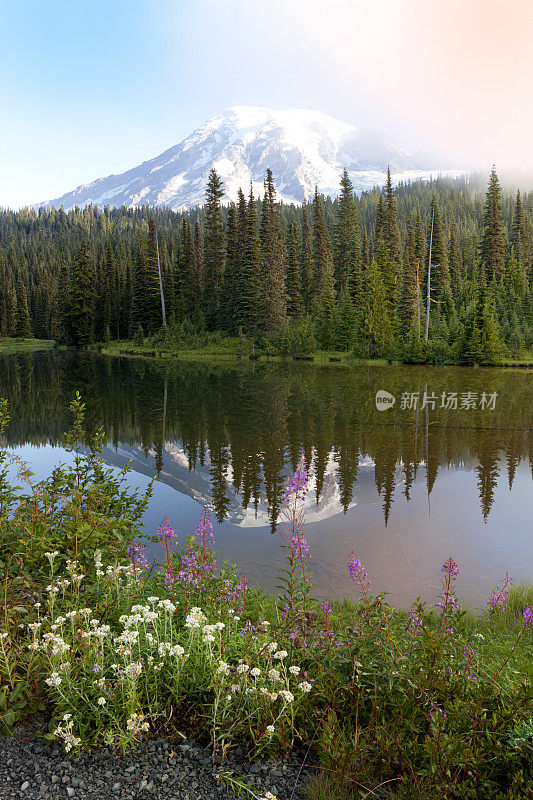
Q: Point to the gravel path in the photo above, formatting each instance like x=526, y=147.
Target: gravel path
x=33, y=769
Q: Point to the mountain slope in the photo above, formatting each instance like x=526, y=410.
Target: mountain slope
x=302, y=148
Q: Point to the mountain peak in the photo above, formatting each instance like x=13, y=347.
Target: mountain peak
x=300, y=146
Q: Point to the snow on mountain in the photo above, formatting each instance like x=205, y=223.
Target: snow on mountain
x=302, y=148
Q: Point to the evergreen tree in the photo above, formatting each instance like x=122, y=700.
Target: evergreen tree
x=455, y=261
x=324, y=280
x=520, y=234
x=493, y=243
x=348, y=242
x=146, y=310
x=247, y=289
x=294, y=296
x=214, y=247
x=23, y=322
x=153, y=266
x=409, y=311
x=272, y=309
x=308, y=265
x=80, y=314
x=392, y=235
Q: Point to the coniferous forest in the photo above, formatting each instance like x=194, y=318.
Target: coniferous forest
x=425, y=272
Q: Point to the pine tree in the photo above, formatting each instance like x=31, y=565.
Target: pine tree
x=214, y=247
x=294, y=295
x=348, y=242
x=409, y=311
x=393, y=239
x=324, y=280
x=455, y=261
x=23, y=322
x=153, y=266
x=308, y=265
x=146, y=310
x=273, y=301
x=493, y=243
x=440, y=274
x=520, y=234
x=80, y=314
x=247, y=289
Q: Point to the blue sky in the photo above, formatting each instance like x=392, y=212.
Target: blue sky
x=87, y=89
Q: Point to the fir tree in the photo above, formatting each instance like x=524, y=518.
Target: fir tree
x=272, y=309
x=392, y=235
x=214, y=247
x=294, y=296
x=23, y=322
x=247, y=289
x=80, y=313
x=308, y=265
x=492, y=243
x=348, y=242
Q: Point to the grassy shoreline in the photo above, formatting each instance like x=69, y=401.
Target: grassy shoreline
x=25, y=345
x=227, y=352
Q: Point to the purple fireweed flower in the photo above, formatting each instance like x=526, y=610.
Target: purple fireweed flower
x=326, y=607
x=499, y=596
x=450, y=568
x=204, y=530
x=528, y=616
x=137, y=556
x=416, y=623
x=97, y=668
x=357, y=571
x=299, y=483
x=165, y=533
x=299, y=545
x=169, y=580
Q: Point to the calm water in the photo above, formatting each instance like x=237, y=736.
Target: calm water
x=403, y=488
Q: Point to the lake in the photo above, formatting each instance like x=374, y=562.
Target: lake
x=444, y=470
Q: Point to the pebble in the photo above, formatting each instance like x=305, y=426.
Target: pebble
x=160, y=770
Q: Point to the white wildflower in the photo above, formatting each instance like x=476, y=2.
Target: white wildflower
x=287, y=696
x=270, y=729
x=255, y=672
x=294, y=670
x=281, y=654
x=55, y=679
x=101, y=701
x=304, y=686
x=242, y=669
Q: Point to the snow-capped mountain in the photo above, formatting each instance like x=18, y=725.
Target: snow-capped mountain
x=302, y=148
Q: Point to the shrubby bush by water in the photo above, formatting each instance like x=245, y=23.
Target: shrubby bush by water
x=430, y=703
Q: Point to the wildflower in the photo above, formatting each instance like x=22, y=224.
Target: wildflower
x=450, y=568
x=177, y=651
x=499, y=596
x=195, y=618
x=137, y=557
x=223, y=668
x=134, y=669
x=273, y=674
x=208, y=639
x=299, y=483
x=97, y=668
x=242, y=669
x=287, y=696
x=204, y=530
x=357, y=571
x=270, y=729
x=272, y=647
x=528, y=616
x=52, y=556
x=101, y=701
x=54, y=679
x=304, y=686
x=281, y=654
x=165, y=533
x=255, y=672
x=294, y=670
x=153, y=599
x=268, y=796
x=265, y=624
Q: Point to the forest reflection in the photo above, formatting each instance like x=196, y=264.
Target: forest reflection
x=248, y=424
